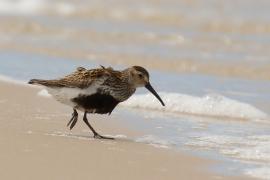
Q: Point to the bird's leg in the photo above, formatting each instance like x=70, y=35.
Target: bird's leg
x=96, y=135
x=73, y=119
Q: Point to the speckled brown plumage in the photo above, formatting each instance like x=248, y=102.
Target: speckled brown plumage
x=81, y=78
x=96, y=90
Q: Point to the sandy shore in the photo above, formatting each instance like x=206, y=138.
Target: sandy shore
x=36, y=144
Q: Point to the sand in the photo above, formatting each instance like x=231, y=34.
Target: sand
x=36, y=144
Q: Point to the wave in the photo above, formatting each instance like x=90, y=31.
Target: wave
x=21, y=6
x=252, y=149
x=32, y=7
x=208, y=105
x=260, y=173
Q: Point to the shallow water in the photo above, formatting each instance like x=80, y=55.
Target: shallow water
x=208, y=59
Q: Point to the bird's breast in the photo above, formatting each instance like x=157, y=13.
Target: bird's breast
x=96, y=103
x=120, y=93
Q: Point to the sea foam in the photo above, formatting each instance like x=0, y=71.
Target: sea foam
x=154, y=141
x=254, y=150
x=208, y=105
x=260, y=173
x=21, y=6
x=44, y=93
x=33, y=7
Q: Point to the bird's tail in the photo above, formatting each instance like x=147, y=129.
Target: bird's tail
x=34, y=81
x=38, y=82
x=48, y=83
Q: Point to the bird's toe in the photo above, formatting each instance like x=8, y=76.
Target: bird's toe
x=97, y=136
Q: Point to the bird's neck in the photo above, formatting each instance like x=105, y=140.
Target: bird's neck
x=127, y=78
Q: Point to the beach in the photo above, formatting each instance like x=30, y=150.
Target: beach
x=208, y=60
x=36, y=144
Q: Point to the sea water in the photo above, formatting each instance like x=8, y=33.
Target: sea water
x=209, y=61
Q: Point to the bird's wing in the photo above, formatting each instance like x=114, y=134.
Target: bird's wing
x=81, y=78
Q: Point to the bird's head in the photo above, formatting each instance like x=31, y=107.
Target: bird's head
x=139, y=77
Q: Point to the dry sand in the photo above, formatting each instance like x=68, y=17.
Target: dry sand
x=30, y=150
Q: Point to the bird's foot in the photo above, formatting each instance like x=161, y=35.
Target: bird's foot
x=97, y=136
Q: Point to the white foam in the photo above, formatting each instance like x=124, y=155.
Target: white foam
x=119, y=136
x=214, y=141
x=245, y=148
x=118, y=14
x=261, y=173
x=32, y=7
x=255, y=148
x=154, y=141
x=252, y=149
x=208, y=105
x=65, y=8
x=21, y=6
x=70, y=135
x=44, y=93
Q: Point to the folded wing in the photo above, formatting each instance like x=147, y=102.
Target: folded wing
x=81, y=78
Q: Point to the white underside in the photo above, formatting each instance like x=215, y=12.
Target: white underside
x=65, y=95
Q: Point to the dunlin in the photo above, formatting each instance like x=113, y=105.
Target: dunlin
x=96, y=90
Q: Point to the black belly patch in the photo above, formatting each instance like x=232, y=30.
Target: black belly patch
x=96, y=103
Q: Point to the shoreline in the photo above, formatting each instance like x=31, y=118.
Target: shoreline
x=39, y=146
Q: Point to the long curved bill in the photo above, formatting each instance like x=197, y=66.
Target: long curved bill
x=151, y=89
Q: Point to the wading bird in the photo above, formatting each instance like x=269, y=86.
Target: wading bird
x=96, y=90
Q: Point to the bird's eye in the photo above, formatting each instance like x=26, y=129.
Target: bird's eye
x=140, y=76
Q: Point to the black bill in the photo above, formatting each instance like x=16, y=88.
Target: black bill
x=151, y=89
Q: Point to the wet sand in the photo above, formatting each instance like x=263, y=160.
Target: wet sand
x=36, y=144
